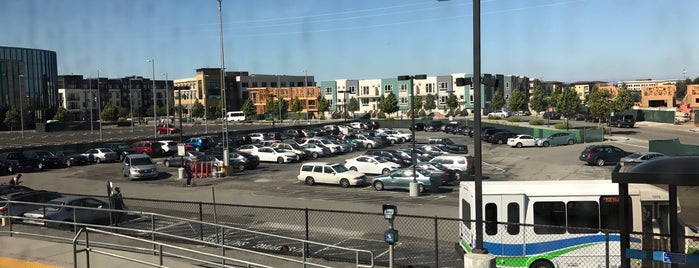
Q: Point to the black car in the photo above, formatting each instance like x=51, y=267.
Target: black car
x=8, y=189
x=240, y=139
x=71, y=158
x=485, y=134
x=552, y=116
x=471, y=131
x=625, y=120
x=501, y=137
x=449, y=127
x=602, y=154
x=46, y=158
x=122, y=149
x=461, y=130
x=434, y=126
x=16, y=162
x=418, y=126
x=373, y=125
x=398, y=157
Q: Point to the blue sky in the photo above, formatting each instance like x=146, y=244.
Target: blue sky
x=362, y=39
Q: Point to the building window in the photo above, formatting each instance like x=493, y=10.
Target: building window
x=387, y=88
x=244, y=84
x=429, y=87
x=330, y=102
x=365, y=90
x=403, y=100
x=365, y=102
x=328, y=91
x=353, y=90
x=442, y=85
x=461, y=97
x=403, y=87
x=442, y=99
x=264, y=84
x=254, y=84
x=471, y=99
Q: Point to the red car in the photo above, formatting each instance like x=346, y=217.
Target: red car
x=165, y=129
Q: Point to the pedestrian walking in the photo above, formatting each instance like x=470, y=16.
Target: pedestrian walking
x=188, y=174
x=15, y=180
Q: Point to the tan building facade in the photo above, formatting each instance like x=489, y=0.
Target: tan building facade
x=658, y=96
x=307, y=95
x=692, y=96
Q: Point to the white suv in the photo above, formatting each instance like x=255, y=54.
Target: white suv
x=462, y=163
x=331, y=173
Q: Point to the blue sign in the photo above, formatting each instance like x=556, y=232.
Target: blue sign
x=677, y=258
x=391, y=236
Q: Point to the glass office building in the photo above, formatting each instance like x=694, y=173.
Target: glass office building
x=28, y=75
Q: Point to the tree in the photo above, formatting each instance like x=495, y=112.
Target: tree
x=123, y=112
x=598, y=103
x=296, y=106
x=517, y=101
x=271, y=107
x=452, y=102
x=162, y=111
x=430, y=102
x=62, y=115
x=568, y=102
x=498, y=101
x=323, y=104
x=218, y=113
x=353, y=105
x=12, y=118
x=248, y=108
x=389, y=103
x=417, y=102
x=538, y=100
x=282, y=106
x=681, y=89
x=197, y=109
x=110, y=112
x=623, y=100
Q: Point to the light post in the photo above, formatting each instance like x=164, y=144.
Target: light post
x=179, y=94
x=206, y=109
x=413, y=186
x=279, y=96
x=155, y=106
x=167, y=100
x=223, y=89
x=305, y=85
x=21, y=100
x=131, y=103
x=91, y=99
x=99, y=103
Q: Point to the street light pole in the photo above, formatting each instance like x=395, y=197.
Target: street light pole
x=305, y=85
x=131, y=103
x=167, y=100
x=279, y=96
x=91, y=99
x=21, y=100
x=155, y=106
x=99, y=103
x=478, y=180
x=413, y=186
x=223, y=89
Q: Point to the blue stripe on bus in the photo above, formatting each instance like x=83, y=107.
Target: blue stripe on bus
x=501, y=249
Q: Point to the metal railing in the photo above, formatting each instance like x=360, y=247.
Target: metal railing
x=143, y=224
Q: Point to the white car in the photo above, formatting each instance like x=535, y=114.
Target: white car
x=269, y=154
x=317, y=150
x=99, y=155
x=256, y=137
x=404, y=135
x=294, y=148
x=248, y=148
x=522, y=140
x=169, y=147
x=334, y=148
x=501, y=114
x=357, y=125
x=370, y=164
x=331, y=173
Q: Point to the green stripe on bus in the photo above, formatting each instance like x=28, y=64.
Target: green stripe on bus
x=526, y=261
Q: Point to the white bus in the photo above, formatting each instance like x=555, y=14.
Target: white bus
x=235, y=116
x=540, y=222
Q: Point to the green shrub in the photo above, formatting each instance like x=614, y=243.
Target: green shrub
x=561, y=125
x=197, y=122
x=382, y=115
x=536, y=122
x=607, y=130
x=322, y=117
x=426, y=118
x=514, y=119
x=246, y=121
x=218, y=121
x=494, y=117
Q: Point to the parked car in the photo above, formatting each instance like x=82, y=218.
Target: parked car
x=317, y=150
x=257, y=137
x=199, y=143
x=8, y=189
x=418, y=126
x=169, y=147
x=551, y=116
x=394, y=156
x=358, y=125
x=17, y=162
x=560, y=138
x=472, y=131
x=71, y=158
x=432, y=149
x=269, y=154
x=602, y=154
x=188, y=157
x=485, y=134
x=464, y=164
x=373, y=125
x=245, y=160
x=522, y=140
x=637, y=158
x=434, y=126
x=448, y=127
x=365, y=141
x=56, y=210
x=99, y=155
x=121, y=148
x=449, y=145
x=371, y=164
x=501, y=114
x=448, y=175
x=330, y=173
x=625, y=120
x=334, y=148
x=248, y=148
x=166, y=129
x=151, y=148
x=46, y=159
x=501, y=137
x=139, y=166
x=401, y=179
x=17, y=209
x=294, y=148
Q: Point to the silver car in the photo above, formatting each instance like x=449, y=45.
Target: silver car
x=561, y=138
x=56, y=210
x=637, y=158
x=139, y=166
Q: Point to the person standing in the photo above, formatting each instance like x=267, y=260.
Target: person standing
x=187, y=173
x=15, y=180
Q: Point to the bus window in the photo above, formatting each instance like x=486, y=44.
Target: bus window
x=552, y=214
x=491, y=219
x=466, y=212
x=513, y=218
x=583, y=217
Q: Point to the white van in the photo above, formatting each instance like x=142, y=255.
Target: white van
x=236, y=116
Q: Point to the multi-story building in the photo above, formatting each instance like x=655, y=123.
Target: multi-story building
x=28, y=82
x=638, y=84
x=308, y=97
x=583, y=88
x=658, y=95
x=83, y=97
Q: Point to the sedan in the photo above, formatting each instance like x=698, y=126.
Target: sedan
x=522, y=140
x=602, y=154
x=56, y=210
x=561, y=138
x=637, y=158
x=269, y=154
x=371, y=164
x=71, y=158
x=401, y=179
x=166, y=129
x=188, y=157
x=99, y=155
x=317, y=150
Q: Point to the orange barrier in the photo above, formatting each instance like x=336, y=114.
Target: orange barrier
x=202, y=169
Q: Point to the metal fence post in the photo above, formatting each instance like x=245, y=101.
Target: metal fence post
x=606, y=248
x=87, y=248
x=201, y=225
x=436, y=242
x=223, y=247
x=305, y=246
x=9, y=219
x=152, y=232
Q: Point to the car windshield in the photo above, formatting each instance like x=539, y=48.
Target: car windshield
x=381, y=159
x=106, y=150
x=122, y=146
x=634, y=156
x=56, y=205
x=279, y=150
x=295, y=146
x=339, y=168
x=141, y=161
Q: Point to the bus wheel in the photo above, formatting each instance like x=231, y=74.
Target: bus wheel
x=542, y=264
